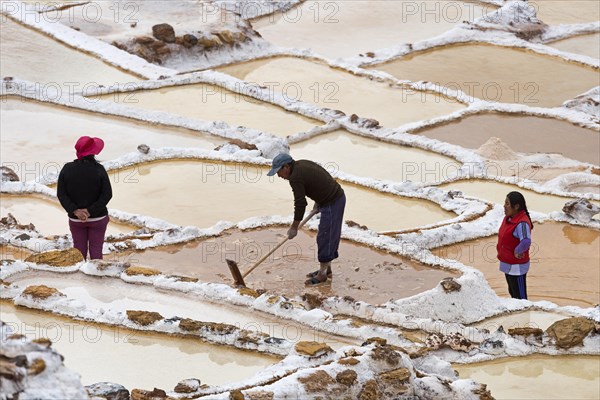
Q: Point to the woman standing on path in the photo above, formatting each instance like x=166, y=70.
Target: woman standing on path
x=514, y=240
x=84, y=190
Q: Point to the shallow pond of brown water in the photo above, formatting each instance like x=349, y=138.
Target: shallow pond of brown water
x=564, y=263
x=364, y=273
x=523, y=134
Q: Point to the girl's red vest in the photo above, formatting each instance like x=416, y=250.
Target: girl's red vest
x=507, y=243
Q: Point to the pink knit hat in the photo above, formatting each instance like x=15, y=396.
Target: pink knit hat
x=88, y=145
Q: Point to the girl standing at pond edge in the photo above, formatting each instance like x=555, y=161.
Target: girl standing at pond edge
x=514, y=240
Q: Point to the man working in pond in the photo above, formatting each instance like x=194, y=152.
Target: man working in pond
x=310, y=179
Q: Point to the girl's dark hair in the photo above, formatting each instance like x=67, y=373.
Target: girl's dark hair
x=515, y=198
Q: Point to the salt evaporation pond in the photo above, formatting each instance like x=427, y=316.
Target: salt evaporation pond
x=564, y=263
x=340, y=29
x=124, y=296
x=554, y=12
x=542, y=81
x=495, y=192
x=364, y=273
x=48, y=217
x=313, y=82
x=378, y=159
x=30, y=128
x=587, y=45
x=525, y=319
x=537, y=377
x=213, y=103
x=543, y=135
x=135, y=359
x=27, y=54
x=205, y=192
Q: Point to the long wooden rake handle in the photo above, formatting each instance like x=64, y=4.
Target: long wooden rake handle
x=263, y=258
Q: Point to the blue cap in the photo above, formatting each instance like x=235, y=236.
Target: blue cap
x=279, y=161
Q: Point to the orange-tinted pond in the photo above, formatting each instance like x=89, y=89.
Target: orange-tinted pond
x=564, y=263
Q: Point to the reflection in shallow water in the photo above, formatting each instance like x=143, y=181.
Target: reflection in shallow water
x=29, y=129
x=538, y=377
x=213, y=103
x=543, y=135
x=361, y=272
x=543, y=81
x=340, y=29
x=123, y=296
x=32, y=56
x=203, y=193
x=377, y=159
x=564, y=263
x=48, y=217
x=132, y=358
x=588, y=45
x=311, y=82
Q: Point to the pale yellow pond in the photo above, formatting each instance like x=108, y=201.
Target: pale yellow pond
x=213, y=103
x=526, y=319
x=123, y=296
x=556, y=12
x=312, y=82
x=101, y=353
x=537, y=377
x=29, y=129
x=27, y=54
x=361, y=156
x=495, y=192
x=488, y=73
x=341, y=29
x=587, y=45
x=48, y=216
x=203, y=193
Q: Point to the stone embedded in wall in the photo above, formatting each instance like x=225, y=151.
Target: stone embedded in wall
x=260, y=395
x=312, y=349
x=312, y=300
x=143, y=148
x=394, y=384
x=239, y=143
x=376, y=340
x=37, y=366
x=156, y=394
x=57, y=258
x=483, y=392
x=132, y=271
x=164, y=32
x=236, y=395
x=187, y=386
x=190, y=325
x=369, y=391
x=188, y=40
x=43, y=342
x=317, y=381
x=450, y=285
x=570, y=332
x=347, y=377
x=108, y=391
x=8, y=175
x=42, y=292
x=387, y=354
x=248, y=292
x=143, y=318
x=348, y=361
x=525, y=331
